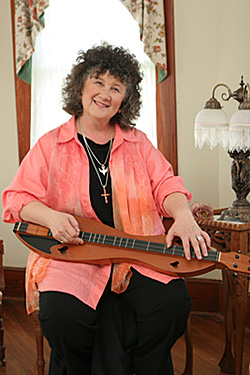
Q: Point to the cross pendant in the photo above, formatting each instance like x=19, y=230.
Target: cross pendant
x=105, y=195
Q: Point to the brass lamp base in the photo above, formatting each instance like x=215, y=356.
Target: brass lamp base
x=237, y=211
x=240, y=173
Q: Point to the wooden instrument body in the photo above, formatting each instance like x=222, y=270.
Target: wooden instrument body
x=39, y=239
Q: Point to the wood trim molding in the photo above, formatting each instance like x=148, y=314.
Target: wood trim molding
x=23, y=102
x=206, y=295
x=14, y=282
x=166, y=96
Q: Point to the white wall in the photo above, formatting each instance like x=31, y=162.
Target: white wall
x=15, y=252
x=196, y=71
x=212, y=39
x=212, y=45
x=233, y=61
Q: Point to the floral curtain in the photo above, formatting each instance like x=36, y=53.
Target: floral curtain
x=150, y=17
x=28, y=24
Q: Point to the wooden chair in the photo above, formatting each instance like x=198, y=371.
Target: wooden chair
x=40, y=362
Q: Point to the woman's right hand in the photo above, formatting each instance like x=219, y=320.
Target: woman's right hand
x=64, y=227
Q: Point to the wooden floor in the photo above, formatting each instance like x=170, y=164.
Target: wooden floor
x=207, y=336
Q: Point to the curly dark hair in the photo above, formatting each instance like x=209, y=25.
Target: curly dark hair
x=98, y=60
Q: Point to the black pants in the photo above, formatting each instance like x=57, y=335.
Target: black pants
x=129, y=333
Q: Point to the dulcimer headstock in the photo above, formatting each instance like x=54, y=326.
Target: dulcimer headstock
x=237, y=262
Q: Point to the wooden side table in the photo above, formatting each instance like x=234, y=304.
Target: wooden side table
x=231, y=236
x=2, y=286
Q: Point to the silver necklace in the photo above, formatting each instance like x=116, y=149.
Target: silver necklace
x=103, y=169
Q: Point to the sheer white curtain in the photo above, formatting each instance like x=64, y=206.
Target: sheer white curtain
x=77, y=25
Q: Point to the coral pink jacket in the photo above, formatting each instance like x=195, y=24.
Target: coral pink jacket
x=56, y=173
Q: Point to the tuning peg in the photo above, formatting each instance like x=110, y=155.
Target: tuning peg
x=239, y=252
x=235, y=265
x=235, y=274
x=248, y=268
x=237, y=256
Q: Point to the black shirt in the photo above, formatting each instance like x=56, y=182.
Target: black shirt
x=103, y=210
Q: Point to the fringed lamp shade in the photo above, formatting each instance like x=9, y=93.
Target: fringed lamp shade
x=212, y=128
x=239, y=131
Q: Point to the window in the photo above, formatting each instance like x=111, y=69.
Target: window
x=78, y=27
x=165, y=98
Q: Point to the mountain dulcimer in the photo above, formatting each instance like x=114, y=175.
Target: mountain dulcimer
x=104, y=245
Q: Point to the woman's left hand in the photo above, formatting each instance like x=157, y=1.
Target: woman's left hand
x=185, y=226
x=191, y=234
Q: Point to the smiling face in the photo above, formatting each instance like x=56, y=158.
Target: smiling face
x=102, y=97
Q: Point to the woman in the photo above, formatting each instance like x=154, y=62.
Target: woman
x=99, y=320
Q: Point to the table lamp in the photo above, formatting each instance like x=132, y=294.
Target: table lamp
x=213, y=127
